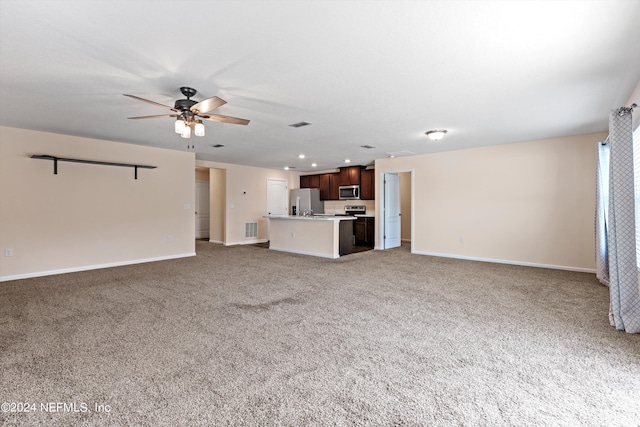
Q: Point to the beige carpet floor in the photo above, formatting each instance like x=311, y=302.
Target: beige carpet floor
x=247, y=336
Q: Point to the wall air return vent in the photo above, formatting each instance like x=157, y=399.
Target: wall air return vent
x=251, y=229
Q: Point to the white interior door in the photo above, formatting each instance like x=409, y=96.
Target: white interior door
x=277, y=200
x=203, y=210
x=392, y=224
x=276, y=197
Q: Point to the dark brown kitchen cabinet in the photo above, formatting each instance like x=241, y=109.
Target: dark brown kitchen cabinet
x=345, y=243
x=314, y=181
x=334, y=186
x=310, y=181
x=364, y=231
x=329, y=186
x=367, y=184
x=350, y=175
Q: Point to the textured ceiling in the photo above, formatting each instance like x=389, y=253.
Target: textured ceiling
x=377, y=73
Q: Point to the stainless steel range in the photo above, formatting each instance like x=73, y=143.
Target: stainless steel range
x=355, y=210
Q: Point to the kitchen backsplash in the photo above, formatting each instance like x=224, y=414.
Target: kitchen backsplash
x=337, y=206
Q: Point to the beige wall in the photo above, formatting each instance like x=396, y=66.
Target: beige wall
x=405, y=206
x=90, y=216
x=246, y=198
x=202, y=174
x=217, y=185
x=527, y=203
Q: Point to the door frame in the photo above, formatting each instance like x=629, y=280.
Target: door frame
x=197, y=208
x=380, y=201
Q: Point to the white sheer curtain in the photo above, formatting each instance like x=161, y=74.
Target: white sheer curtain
x=636, y=169
x=619, y=232
x=602, y=212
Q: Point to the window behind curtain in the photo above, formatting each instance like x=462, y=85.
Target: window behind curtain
x=636, y=171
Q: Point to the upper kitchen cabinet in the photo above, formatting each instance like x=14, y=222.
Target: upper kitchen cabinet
x=310, y=181
x=368, y=184
x=350, y=175
x=314, y=181
x=329, y=183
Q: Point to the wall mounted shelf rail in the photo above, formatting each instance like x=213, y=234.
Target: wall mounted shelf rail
x=91, y=162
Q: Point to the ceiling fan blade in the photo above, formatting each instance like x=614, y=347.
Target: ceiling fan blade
x=226, y=119
x=153, y=117
x=207, y=105
x=150, y=102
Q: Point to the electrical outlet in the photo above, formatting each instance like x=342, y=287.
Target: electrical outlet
x=8, y=252
x=169, y=238
x=293, y=234
x=461, y=239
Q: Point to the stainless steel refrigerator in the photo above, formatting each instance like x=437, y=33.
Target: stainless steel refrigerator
x=305, y=200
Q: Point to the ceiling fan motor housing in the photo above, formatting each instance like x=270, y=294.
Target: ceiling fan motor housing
x=184, y=104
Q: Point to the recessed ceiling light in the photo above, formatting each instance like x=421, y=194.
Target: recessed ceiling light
x=391, y=156
x=301, y=156
x=286, y=168
x=436, y=135
x=313, y=165
x=347, y=161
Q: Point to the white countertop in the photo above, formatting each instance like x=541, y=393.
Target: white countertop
x=312, y=218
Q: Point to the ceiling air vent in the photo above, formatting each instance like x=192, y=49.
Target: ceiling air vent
x=367, y=146
x=217, y=146
x=299, y=124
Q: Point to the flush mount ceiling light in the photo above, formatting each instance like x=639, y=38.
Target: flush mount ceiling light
x=436, y=135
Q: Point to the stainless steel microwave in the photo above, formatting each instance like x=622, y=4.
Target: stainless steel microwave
x=349, y=192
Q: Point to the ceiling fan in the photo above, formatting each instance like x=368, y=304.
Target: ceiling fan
x=190, y=113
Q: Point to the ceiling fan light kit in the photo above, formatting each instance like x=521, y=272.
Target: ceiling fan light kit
x=190, y=113
x=436, y=135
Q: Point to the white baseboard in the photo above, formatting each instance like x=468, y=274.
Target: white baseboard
x=505, y=261
x=92, y=267
x=219, y=242
x=246, y=242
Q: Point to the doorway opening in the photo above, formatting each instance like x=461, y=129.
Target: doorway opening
x=396, y=206
x=202, y=205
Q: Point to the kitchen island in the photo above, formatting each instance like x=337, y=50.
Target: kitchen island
x=319, y=235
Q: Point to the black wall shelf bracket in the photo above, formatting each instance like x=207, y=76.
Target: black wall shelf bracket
x=91, y=162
